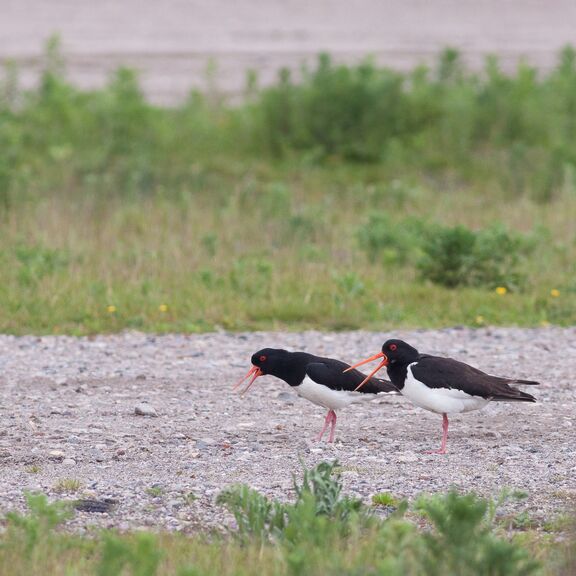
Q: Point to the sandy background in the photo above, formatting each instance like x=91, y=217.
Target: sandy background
x=172, y=41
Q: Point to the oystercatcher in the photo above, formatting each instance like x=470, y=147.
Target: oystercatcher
x=320, y=380
x=442, y=385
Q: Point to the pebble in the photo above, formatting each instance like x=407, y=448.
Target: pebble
x=97, y=455
x=405, y=458
x=203, y=445
x=56, y=455
x=145, y=410
x=287, y=397
x=68, y=462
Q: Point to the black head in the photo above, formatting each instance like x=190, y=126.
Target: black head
x=399, y=352
x=289, y=366
x=270, y=360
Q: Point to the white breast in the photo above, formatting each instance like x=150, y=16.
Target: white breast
x=441, y=400
x=328, y=398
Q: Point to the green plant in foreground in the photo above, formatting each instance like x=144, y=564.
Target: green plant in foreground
x=140, y=554
x=43, y=517
x=463, y=542
x=318, y=505
x=320, y=532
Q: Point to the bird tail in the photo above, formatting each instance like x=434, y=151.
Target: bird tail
x=514, y=395
x=526, y=382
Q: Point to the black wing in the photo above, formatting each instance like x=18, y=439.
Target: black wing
x=438, y=372
x=330, y=373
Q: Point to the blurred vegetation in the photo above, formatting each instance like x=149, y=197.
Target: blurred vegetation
x=320, y=532
x=340, y=197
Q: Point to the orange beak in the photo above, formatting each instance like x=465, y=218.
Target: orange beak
x=371, y=359
x=254, y=372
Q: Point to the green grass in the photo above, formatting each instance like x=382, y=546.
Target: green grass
x=155, y=491
x=311, y=205
x=384, y=499
x=319, y=532
x=67, y=485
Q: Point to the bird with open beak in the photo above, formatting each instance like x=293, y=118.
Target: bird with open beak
x=319, y=380
x=441, y=385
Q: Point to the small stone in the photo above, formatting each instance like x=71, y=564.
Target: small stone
x=145, y=410
x=98, y=456
x=286, y=397
x=405, y=458
x=57, y=455
x=90, y=505
x=68, y=462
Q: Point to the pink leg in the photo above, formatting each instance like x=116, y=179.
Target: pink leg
x=327, y=421
x=333, y=425
x=444, y=437
x=444, y=433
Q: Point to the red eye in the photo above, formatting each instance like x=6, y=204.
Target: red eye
x=262, y=358
x=392, y=347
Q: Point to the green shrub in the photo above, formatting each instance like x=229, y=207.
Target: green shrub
x=319, y=510
x=463, y=541
x=335, y=109
x=43, y=517
x=391, y=241
x=36, y=262
x=256, y=516
x=457, y=256
x=140, y=554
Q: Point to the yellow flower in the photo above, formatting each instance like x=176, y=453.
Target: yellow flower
x=544, y=323
x=501, y=290
x=163, y=308
x=111, y=309
x=554, y=293
x=479, y=319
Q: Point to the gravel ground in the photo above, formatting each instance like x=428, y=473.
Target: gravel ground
x=67, y=411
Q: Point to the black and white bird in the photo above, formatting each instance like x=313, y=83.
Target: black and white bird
x=442, y=385
x=320, y=380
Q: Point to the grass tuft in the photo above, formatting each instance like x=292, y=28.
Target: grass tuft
x=67, y=485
